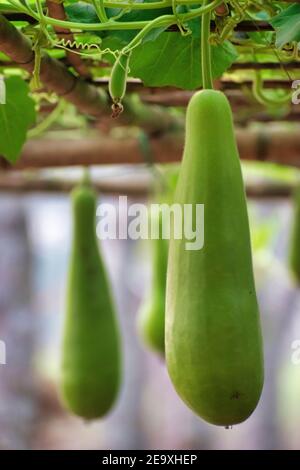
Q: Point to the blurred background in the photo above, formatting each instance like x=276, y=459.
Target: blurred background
x=35, y=238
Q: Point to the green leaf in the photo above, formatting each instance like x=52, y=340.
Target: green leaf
x=16, y=116
x=175, y=60
x=82, y=12
x=287, y=25
x=262, y=37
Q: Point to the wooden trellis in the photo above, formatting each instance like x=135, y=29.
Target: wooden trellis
x=165, y=145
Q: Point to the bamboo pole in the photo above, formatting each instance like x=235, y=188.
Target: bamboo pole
x=283, y=65
x=136, y=85
x=22, y=183
x=25, y=183
x=268, y=145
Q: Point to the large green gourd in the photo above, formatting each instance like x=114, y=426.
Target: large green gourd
x=151, y=318
x=90, y=377
x=213, y=337
x=295, y=239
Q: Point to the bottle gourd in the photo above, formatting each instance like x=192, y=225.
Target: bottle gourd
x=90, y=375
x=213, y=337
x=295, y=239
x=151, y=318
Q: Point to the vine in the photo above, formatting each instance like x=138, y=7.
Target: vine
x=206, y=50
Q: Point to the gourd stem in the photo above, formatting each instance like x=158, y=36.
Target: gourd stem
x=86, y=176
x=207, y=81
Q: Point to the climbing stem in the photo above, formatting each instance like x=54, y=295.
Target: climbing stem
x=162, y=21
x=167, y=20
x=207, y=81
x=100, y=10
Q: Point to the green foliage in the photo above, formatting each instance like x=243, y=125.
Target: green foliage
x=16, y=117
x=182, y=68
x=148, y=61
x=287, y=25
x=82, y=12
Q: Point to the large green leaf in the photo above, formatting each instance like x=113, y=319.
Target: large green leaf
x=287, y=25
x=16, y=116
x=175, y=60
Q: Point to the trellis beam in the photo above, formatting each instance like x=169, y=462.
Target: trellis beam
x=20, y=183
x=267, y=145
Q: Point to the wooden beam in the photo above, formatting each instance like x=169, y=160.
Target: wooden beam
x=266, y=145
x=136, y=85
x=27, y=183
x=20, y=183
x=292, y=65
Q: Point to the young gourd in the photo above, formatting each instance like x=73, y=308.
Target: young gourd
x=213, y=338
x=91, y=363
x=118, y=82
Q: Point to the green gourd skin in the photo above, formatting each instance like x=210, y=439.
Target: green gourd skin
x=91, y=364
x=294, y=255
x=151, y=319
x=118, y=78
x=213, y=337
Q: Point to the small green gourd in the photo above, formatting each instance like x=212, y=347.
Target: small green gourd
x=118, y=82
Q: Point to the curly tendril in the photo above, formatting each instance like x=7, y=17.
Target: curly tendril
x=261, y=96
